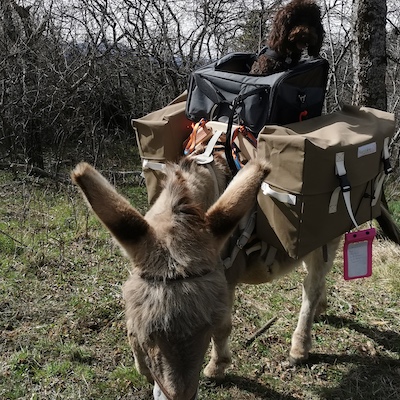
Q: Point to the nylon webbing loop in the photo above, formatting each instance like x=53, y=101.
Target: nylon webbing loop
x=235, y=149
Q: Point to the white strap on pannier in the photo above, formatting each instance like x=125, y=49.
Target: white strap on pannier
x=345, y=185
x=268, y=253
x=378, y=187
x=154, y=165
x=218, y=130
x=334, y=200
x=280, y=196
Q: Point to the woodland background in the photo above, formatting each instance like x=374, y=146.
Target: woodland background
x=73, y=73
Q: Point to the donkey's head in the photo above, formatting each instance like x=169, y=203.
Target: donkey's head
x=177, y=291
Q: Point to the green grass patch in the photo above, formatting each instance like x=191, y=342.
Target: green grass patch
x=62, y=329
x=394, y=207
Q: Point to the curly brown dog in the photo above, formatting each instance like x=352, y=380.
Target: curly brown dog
x=296, y=26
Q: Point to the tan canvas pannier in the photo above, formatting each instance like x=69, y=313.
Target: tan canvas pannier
x=160, y=136
x=302, y=203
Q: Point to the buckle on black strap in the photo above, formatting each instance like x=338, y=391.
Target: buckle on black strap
x=387, y=167
x=344, y=183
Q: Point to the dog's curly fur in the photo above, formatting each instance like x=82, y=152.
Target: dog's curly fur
x=296, y=26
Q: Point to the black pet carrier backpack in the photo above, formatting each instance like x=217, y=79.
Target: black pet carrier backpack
x=225, y=91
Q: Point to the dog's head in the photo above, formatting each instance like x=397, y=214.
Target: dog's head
x=297, y=26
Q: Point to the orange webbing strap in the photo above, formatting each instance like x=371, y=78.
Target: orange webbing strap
x=200, y=133
x=242, y=130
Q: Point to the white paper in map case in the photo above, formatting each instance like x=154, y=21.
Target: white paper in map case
x=357, y=254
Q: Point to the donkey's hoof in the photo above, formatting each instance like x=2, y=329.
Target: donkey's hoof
x=293, y=361
x=298, y=355
x=215, y=371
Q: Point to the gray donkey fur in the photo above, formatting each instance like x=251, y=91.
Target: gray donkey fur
x=178, y=296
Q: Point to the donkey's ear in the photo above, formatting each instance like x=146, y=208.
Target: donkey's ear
x=238, y=198
x=125, y=223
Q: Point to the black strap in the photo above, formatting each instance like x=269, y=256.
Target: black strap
x=387, y=166
x=208, y=89
x=228, y=143
x=229, y=134
x=325, y=252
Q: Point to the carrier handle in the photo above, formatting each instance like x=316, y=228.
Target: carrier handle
x=286, y=61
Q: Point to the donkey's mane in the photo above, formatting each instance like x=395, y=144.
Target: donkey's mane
x=180, y=196
x=188, y=189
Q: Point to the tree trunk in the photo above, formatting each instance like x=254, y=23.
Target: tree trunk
x=30, y=84
x=369, y=18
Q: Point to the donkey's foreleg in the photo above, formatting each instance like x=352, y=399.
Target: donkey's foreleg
x=140, y=357
x=220, y=352
x=313, y=300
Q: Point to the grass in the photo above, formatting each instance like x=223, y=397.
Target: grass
x=62, y=331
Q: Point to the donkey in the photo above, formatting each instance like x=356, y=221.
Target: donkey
x=179, y=296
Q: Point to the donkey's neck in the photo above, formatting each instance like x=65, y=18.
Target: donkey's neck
x=209, y=180
x=191, y=184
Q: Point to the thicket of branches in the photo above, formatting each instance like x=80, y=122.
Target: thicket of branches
x=73, y=73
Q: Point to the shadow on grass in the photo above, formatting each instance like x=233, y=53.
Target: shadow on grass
x=377, y=379
x=244, y=384
x=390, y=340
x=366, y=377
x=372, y=377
